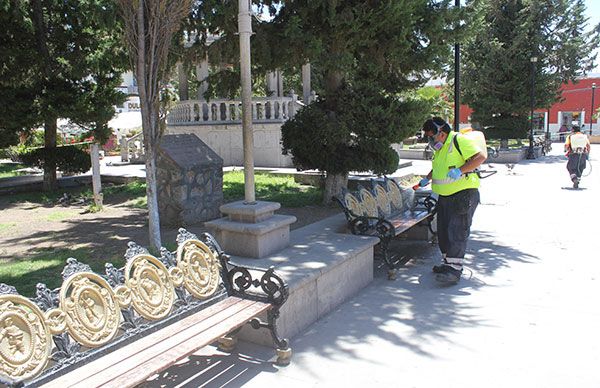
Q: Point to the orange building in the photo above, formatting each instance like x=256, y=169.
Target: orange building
x=575, y=107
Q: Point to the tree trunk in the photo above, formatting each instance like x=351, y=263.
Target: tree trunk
x=333, y=182
x=50, y=183
x=333, y=81
x=333, y=186
x=50, y=126
x=152, y=196
x=504, y=144
x=150, y=128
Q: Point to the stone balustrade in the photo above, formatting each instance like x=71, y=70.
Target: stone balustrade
x=221, y=111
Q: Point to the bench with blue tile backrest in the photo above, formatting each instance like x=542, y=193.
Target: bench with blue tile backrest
x=386, y=211
x=122, y=327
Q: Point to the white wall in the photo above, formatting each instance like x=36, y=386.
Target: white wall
x=226, y=141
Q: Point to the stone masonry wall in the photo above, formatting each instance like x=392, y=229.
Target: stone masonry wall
x=189, y=181
x=188, y=197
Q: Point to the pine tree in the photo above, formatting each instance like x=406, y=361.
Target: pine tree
x=497, y=62
x=370, y=55
x=60, y=59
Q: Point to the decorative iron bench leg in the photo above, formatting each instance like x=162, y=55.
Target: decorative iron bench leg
x=283, y=350
x=388, y=260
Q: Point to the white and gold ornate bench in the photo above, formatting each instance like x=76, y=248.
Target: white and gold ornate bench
x=119, y=329
x=386, y=211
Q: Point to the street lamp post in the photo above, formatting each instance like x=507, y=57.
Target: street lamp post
x=592, y=110
x=457, y=80
x=548, y=128
x=530, y=152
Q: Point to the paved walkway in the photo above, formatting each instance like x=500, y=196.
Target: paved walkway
x=526, y=313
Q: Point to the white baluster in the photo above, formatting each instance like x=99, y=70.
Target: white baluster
x=292, y=110
x=213, y=112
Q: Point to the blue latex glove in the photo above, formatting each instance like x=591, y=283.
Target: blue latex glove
x=423, y=182
x=454, y=174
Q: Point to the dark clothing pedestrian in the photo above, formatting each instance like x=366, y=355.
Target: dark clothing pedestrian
x=454, y=217
x=576, y=164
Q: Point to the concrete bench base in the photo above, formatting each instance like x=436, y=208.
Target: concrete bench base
x=323, y=267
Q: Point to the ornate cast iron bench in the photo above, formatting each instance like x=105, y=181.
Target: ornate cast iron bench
x=386, y=211
x=119, y=329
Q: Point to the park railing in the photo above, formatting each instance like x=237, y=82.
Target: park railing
x=223, y=111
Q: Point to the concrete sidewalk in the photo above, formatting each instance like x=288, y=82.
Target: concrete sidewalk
x=524, y=315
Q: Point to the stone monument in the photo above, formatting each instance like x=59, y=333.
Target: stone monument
x=189, y=180
x=251, y=229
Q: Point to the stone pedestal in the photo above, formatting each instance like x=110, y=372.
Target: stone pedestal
x=190, y=181
x=251, y=230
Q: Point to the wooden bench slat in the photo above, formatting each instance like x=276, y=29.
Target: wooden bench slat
x=181, y=329
x=405, y=221
x=180, y=351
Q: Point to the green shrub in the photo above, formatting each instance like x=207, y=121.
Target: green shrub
x=68, y=159
x=14, y=152
x=352, y=131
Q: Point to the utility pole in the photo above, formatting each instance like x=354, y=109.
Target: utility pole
x=592, y=110
x=245, y=30
x=530, y=151
x=457, y=80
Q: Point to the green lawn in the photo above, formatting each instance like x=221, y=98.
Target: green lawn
x=8, y=170
x=278, y=188
x=46, y=266
x=269, y=187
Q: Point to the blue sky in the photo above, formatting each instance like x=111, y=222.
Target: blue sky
x=593, y=13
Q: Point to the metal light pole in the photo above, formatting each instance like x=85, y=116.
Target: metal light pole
x=592, y=110
x=530, y=152
x=457, y=80
x=245, y=30
x=548, y=126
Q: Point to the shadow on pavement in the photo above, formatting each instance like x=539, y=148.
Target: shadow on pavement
x=548, y=159
x=401, y=312
x=489, y=255
x=214, y=370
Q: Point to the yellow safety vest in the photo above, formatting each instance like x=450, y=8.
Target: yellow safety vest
x=445, y=160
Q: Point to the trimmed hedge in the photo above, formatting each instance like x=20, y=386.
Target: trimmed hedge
x=68, y=159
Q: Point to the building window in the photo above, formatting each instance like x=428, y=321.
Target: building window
x=568, y=119
x=539, y=122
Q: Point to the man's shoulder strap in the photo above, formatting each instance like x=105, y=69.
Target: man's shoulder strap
x=455, y=141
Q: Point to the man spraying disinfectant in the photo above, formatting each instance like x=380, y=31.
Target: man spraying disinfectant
x=455, y=159
x=577, y=149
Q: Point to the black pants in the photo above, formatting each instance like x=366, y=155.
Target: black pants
x=576, y=164
x=454, y=217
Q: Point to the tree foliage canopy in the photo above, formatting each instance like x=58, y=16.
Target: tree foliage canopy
x=59, y=58
x=370, y=54
x=356, y=137
x=497, y=61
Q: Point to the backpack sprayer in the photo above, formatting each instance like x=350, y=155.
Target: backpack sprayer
x=479, y=139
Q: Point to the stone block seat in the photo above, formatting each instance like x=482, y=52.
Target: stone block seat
x=323, y=266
